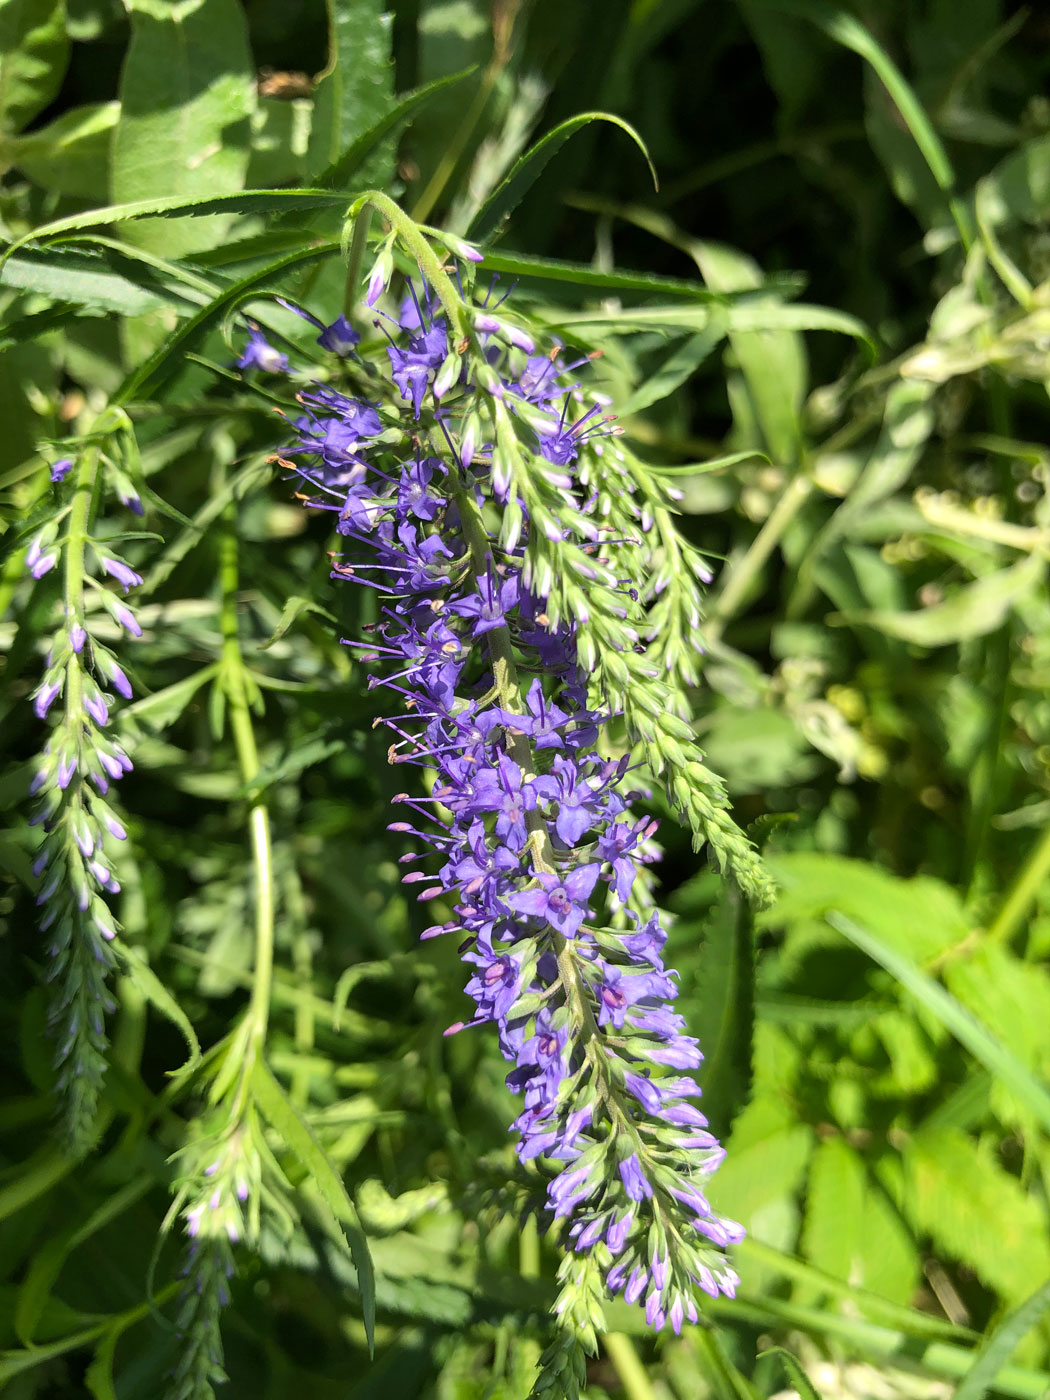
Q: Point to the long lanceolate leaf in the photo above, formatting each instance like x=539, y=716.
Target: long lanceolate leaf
x=182, y=339
x=965, y=1027
x=506, y=198
x=246, y=202
x=350, y=161
x=1002, y=1343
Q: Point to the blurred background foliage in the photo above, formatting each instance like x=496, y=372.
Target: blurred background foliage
x=853, y=228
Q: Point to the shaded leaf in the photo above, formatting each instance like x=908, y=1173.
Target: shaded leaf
x=187, y=94
x=34, y=51
x=973, y=610
x=954, y=1017
x=528, y=168
x=355, y=92
x=285, y=1119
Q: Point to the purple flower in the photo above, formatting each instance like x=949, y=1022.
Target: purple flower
x=339, y=337
x=561, y=900
x=117, y=569
x=260, y=354
x=61, y=469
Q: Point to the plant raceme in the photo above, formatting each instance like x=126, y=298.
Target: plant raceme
x=71, y=785
x=527, y=838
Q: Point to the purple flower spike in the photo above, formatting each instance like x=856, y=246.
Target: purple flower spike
x=525, y=832
x=61, y=469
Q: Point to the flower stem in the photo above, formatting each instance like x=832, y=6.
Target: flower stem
x=235, y=686
x=620, y=1351
x=1023, y=892
x=739, y=576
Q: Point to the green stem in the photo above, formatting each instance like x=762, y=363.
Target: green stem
x=627, y=1363
x=739, y=576
x=1023, y=892
x=429, y=263
x=448, y=162
x=234, y=680
x=358, y=244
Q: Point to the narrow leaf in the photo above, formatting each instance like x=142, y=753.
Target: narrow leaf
x=966, y=1029
x=286, y=1120
x=153, y=989
x=528, y=168
x=1002, y=1343
x=344, y=167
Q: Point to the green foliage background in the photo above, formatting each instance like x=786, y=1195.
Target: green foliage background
x=842, y=278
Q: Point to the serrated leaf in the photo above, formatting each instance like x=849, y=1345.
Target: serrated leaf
x=78, y=281
x=191, y=330
x=528, y=168
x=298, y=1136
x=680, y=365
x=973, y=610
x=153, y=989
x=954, y=1017
x=187, y=94
x=246, y=202
x=921, y=916
x=353, y=157
x=356, y=90
x=975, y=1211
x=582, y=275
x=34, y=52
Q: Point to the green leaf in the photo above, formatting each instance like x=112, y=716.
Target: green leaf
x=355, y=92
x=852, y=1231
x=47, y=1262
x=725, y=1008
x=1018, y=188
x=973, y=610
x=78, y=281
x=187, y=95
x=34, y=52
x=171, y=353
x=581, y=275
x=921, y=917
x=965, y=1027
x=528, y=168
x=907, y=424
x=153, y=989
x=295, y=607
x=1001, y=1345
x=346, y=165
x=793, y=1369
x=286, y=1120
x=71, y=154
x=957, y=1192
x=680, y=365
x=161, y=709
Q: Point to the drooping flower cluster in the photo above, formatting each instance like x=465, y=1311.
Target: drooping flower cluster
x=79, y=762
x=528, y=841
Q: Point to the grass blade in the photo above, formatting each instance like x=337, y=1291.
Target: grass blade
x=966, y=1029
